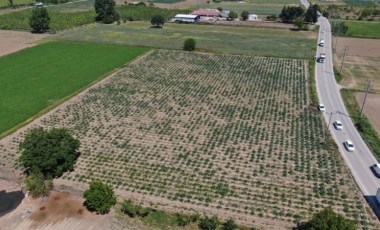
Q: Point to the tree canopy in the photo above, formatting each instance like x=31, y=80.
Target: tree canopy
x=289, y=13
x=209, y=223
x=232, y=15
x=105, y=11
x=40, y=20
x=244, y=15
x=189, y=44
x=311, y=15
x=327, y=219
x=99, y=197
x=158, y=21
x=51, y=152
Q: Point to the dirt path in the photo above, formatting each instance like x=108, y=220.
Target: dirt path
x=12, y=41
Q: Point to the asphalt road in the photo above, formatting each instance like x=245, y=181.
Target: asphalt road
x=361, y=160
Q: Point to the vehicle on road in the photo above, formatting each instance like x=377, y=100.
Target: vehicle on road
x=338, y=125
x=321, y=107
x=321, y=58
x=378, y=195
x=349, y=146
x=376, y=169
x=322, y=42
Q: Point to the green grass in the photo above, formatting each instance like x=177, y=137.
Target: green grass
x=363, y=125
x=362, y=3
x=363, y=29
x=166, y=1
x=5, y=3
x=36, y=78
x=221, y=39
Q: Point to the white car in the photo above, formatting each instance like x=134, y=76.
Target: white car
x=349, y=146
x=376, y=168
x=338, y=125
x=321, y=107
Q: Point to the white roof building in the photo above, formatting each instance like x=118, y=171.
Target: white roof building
x=253, y=17
x=186, y=18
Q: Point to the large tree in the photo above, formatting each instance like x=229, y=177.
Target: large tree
x=244, y=15
x=105, y=11
x=289, y=13
x=158, y=21
x=51, y=152
x=327, y=219
x=311, y=15
x=99, y=197
x=40, y=20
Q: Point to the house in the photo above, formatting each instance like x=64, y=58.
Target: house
x=253, y=17
x=213, y=13
x=186, y=18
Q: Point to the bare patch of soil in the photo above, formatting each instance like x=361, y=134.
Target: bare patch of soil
x=60, y=210
x=371, y=108
x=12, y=41
x=358, y=47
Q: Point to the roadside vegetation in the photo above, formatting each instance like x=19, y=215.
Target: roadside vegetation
x=41, y=77
x=363, y=124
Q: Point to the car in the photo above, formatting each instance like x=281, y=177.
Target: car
x=39, y=4
x=322, y=31
x=321, y=107
x=376, y=168
x=349, y=146
x=338, y=125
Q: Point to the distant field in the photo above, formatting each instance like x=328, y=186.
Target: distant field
x=15, y=2
x=362, y=3
x=239, y=40
x=363, y=29
x=35, y=78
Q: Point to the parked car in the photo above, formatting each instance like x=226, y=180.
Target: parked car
x=349, y=146
x=338, y=125
x=376, y=168
x=321, y=107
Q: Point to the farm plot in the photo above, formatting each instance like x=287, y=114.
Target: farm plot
x=231, y=135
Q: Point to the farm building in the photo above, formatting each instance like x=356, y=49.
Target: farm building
x=253, y=17
x=207, y=13
x=186, y=18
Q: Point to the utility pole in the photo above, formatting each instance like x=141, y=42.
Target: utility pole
x=365, y=97
x=344, y=55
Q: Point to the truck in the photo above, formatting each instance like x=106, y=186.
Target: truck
x=378, y=195
x=321, y=58
x=322, y=42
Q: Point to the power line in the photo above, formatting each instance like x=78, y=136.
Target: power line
x=344, y=55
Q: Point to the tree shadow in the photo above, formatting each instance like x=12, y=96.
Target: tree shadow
x=9, y=201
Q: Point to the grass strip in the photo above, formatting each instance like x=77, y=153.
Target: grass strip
x=362, y=124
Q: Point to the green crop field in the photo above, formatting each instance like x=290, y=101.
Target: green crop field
x=224, y=134
x=35, y=78
x=4, y=3
x=239, y=40
x=363, y=29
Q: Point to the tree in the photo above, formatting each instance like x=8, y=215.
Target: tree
x=232, y=15
x=327, y=219
x=289, y=13
x=311, y=15
x=105, y=11
x=299, y=23
x=99, y=197
x=244, y=15
x=220, y=9
x=50, y=152
x=230, y=225
x=209, y=223
x=37, y=185
x=158, y=21
x=40, y=20
x=189, y=44
x=10, y=3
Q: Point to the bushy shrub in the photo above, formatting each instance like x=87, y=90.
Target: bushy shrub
x=99, y=197
x=189, y=44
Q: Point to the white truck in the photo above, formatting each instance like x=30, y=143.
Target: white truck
x=378, y=195
x=322, y=42
x=321, y=58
